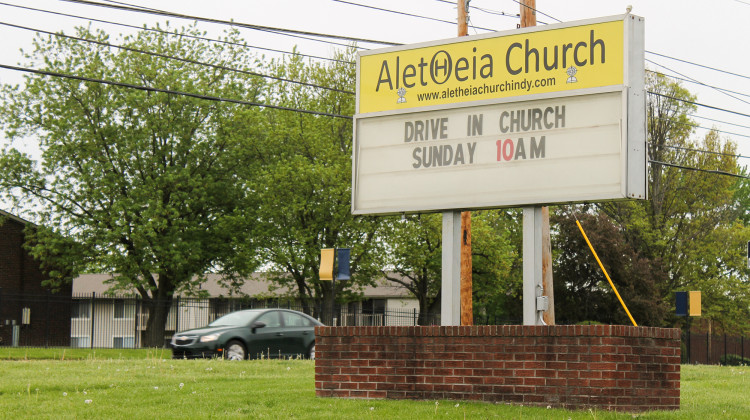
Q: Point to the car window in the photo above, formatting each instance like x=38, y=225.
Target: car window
x=271, y=319
x=234, y=319
x=295, y=320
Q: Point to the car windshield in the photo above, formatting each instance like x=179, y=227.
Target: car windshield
x=235, y=319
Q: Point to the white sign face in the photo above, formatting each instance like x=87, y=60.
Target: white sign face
x=486, y=122
x=567, y=149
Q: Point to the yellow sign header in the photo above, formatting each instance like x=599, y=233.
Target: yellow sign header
x=528, y=63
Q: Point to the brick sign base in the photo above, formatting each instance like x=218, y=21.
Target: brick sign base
x=609, y=367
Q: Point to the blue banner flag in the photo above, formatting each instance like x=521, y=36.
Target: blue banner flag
x=342, y=258
x=681, y=303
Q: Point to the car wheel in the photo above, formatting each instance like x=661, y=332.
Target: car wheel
x=311, y=351
x=235, y=350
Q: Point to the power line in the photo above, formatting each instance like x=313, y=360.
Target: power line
x=698, y=104
x=258, y=27
x=184, y=60
x=538, y=11
x=171, y=92
x=495, y=12
x=699, y=65
x=283, y=31
x=173, y=34
x=705, y=128
x=489, y=11
x=404, y=13
x=131, y=5
x=394, y=11
x=688, y=149
x=700, y=83
x=720, y=121
x=710, y=171
x=691, y=80
x=502, y=13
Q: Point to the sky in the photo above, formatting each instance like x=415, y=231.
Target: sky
x=713, y=34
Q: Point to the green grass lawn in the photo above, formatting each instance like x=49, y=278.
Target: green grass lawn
x=139, y=384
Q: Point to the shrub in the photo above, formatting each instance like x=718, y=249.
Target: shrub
x=734, y=360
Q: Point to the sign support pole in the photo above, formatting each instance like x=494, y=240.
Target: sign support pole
x=537, y=250
x=450, y=302
x=532, y=262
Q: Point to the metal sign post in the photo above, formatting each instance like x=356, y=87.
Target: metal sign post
x=532, y=264
x=450, y=300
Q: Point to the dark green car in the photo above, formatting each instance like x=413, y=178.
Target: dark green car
x=254, y=333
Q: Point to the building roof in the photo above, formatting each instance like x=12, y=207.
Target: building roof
x=255, y=286
x=5, y=214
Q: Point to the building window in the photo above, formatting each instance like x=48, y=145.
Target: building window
x=123, y=309
x=123, y=342
x=119, y=308
x=373, y=306
x=80, y=309
x=79, y=342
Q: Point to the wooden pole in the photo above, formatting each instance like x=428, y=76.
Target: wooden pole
x=467, y=305
x=528, y=13
x=463, y=17
x=528, y=18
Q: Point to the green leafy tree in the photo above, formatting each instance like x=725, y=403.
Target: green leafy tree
x=692, y=222
x=139, y=184
x=582, y=292
x=299, y=169
x=497, y=281
x=415, y=262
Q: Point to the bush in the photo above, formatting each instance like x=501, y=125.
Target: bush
x=734, y=360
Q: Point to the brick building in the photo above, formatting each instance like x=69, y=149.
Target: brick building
x=29, y=314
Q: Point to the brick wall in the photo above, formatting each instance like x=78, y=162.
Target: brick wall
x=610, y=367
x=12, y=258
x=19, y=271
x=21, y=287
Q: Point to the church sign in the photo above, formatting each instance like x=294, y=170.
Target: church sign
x=541, y=115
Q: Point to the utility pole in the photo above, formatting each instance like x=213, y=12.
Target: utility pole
x=528, y=13
x=539, y=233
x=467, y=305
x=463, y=17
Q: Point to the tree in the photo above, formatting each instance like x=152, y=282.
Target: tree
x=497, y=280
x=415, y=262
x=142, y=183
x=582, y=292
x=299, y=169
x=692, y=220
